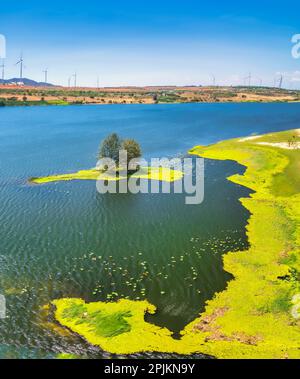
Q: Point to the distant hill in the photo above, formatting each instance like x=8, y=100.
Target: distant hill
x=26, y=82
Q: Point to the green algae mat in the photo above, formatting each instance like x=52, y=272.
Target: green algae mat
x=258, y=315
x=163, y=174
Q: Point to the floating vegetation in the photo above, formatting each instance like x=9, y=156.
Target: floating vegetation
x=115, y=327
x=256, y=316
x=253, y=318
x=67, y=356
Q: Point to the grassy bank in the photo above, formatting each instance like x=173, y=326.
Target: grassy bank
x=16, y=102
x=258, y=315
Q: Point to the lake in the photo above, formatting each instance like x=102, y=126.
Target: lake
x=66, y=240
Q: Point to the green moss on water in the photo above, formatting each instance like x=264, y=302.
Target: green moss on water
x=67, y=356
x=74, y=311
x=117, y=327
x=110, y=325
x=150, y=173
x=103, y=324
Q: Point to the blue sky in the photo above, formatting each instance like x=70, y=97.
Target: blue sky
x=153, y=42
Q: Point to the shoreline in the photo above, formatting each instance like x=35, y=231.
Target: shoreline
x=267, y=272
x=15, y=95
x=127, y=104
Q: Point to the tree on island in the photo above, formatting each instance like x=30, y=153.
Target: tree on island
x=110, y=148
x=112, y=145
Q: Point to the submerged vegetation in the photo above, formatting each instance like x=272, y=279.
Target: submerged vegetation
x=258, y=315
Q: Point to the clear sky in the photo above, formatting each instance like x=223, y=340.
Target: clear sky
x=152, y=42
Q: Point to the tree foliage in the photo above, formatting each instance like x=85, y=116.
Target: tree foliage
x=112, y=145
x=133, y=149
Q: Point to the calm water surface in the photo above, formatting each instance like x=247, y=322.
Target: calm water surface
x=66, y=240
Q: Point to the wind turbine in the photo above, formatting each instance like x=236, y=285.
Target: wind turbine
x=248, y=78
x=279, y=81
x=21, y=63
x=46, y=75
x=98, y=82
x=213, y=79
x=75, y=79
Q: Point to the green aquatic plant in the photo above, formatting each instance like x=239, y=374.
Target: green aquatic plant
x=102, y=324
x=67, y=356
x=110, y=325
x=118, y=327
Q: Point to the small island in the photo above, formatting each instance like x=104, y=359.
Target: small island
x=110, y=148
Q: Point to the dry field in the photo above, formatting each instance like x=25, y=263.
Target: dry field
x=145, y=95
